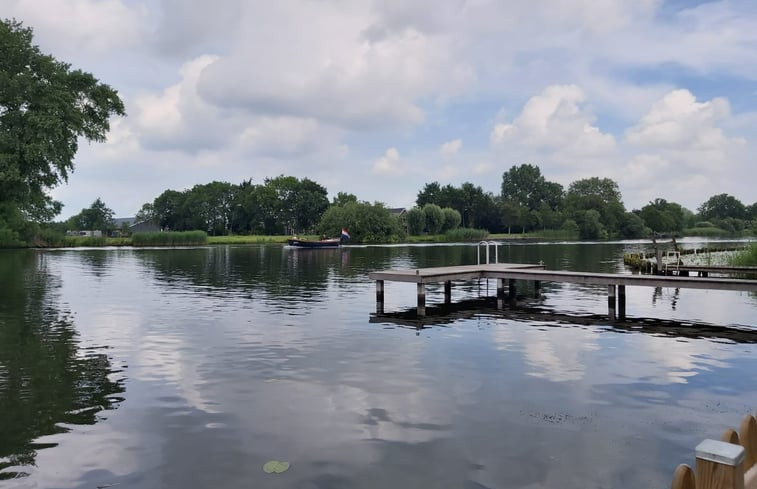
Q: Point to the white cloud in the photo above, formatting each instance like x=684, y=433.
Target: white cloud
x=555, y=119
x=286, y=64
x=451, y=147
x=389, y=164
x=679, y=121
x=70, y=26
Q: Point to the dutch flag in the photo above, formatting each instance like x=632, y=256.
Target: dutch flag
x=345, y=234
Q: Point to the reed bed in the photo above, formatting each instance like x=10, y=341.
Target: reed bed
x=745, y=258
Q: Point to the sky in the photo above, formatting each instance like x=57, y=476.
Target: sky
x=379, y=98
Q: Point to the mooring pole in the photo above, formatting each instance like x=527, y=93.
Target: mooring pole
x=448, y=292
x=537, y=288
x=511, y=293
x=611, y=302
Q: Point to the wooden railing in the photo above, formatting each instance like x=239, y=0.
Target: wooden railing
x=730, y=463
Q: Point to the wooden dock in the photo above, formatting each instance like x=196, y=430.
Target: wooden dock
x=616, y=283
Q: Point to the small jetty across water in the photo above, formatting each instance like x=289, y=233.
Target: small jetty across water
x=616, y=283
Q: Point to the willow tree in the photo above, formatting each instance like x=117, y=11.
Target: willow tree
x=45, y=107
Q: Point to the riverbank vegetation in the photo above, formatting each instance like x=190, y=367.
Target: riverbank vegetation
x=170, y=238
x=527, y=206
x=748, y=257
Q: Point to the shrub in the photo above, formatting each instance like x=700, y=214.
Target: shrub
x=416, y=221
x=9, y=238
x=434, y=218
x=466, y=234
x=452, y=219
x=174, y=238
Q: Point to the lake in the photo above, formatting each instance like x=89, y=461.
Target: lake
x=184, y=368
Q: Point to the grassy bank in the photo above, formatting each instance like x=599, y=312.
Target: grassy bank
x=172, y=238
x=746, y=258
x=252, y=239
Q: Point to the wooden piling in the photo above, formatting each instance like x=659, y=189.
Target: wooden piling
x=621, y=301
x=511, y=293
x=379, y=291
x=421, y=299
x=448, y=292
x=719, y=465
x=537, y=288
x=683, y=478
x=748, y=437
x=611, y=302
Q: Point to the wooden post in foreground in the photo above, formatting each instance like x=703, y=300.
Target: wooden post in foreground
x=379, y=297
x=421, y=299
x=621, y=301
x=611, y=302
x=448, y=292
x=500, y=293
x=537, y=288
x=720, y=465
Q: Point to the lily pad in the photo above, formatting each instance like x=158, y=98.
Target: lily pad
x=275, y=467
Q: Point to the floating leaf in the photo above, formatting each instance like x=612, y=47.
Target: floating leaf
x=275, y=467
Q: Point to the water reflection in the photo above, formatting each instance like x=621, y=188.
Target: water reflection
x=242, y=354
x=47, y=380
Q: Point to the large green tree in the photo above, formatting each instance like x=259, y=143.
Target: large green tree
x=595, y=194
x=526, y=186
x=45, y=107
x=722, y=206
x=663, y=216
x=97, y=217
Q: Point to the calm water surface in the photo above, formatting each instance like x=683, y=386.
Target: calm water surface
x=190, y=368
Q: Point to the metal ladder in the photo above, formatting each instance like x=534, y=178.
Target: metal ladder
x=488, y=245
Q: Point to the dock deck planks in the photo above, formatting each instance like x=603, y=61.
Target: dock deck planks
x=519, y=271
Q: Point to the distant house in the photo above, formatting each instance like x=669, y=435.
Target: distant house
x=147, y=225
x=134, y=226
x=398, y=211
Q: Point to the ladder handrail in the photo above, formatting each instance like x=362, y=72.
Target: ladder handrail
x=487, y=244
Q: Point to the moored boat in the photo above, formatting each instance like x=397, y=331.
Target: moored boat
x=320, y=243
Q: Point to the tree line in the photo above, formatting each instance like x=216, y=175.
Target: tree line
x=590, y=208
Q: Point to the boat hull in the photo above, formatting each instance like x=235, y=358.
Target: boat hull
x=323, y=243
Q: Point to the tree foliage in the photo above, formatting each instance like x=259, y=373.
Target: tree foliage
x=722, y=206
x=525, y=186
x=416, y=221
x=434, y=218
x=601, y=195
x=452, y=219
x=45, y=107
x=97, y=217
x=662, y=216
x=367, y=223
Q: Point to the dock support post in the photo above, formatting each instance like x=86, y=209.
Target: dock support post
x=421, y=299
x=448, y=292
x=537, y=288
x=511, y=293
x=500, y=293
x=621, y=301
x=719, y=465
x=379, y=297
x=611, y=302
